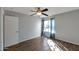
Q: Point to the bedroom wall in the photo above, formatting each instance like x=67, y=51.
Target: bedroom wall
x=1, y=28
x=29, y=26
x=67, y=26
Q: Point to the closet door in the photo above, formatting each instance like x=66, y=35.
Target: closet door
x=11, y=30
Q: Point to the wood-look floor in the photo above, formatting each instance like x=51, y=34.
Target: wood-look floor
x=40, y=44
x=36, y=44
x=66, y=46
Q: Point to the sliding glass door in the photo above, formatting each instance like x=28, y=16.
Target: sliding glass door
x=48, y=28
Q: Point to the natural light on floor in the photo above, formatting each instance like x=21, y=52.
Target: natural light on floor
x=53, y=46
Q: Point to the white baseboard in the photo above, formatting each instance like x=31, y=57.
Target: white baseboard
x=29, y=38
x=24, y=40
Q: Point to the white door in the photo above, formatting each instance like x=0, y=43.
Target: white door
x=11, y=30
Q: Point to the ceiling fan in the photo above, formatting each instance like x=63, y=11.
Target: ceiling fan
x=39, y=11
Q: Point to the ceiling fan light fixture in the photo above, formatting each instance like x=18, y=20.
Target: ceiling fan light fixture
x=39, y=13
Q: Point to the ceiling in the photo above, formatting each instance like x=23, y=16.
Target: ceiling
x=51, y=10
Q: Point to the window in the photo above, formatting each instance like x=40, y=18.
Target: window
x=48, y=27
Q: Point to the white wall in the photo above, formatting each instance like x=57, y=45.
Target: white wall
x=1, y=28
x=30, y=27
x=67, y=27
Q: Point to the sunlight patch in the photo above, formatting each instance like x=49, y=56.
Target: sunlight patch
x=53, y=46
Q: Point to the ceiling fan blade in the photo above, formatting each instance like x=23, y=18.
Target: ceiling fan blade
x=33, y=14
x=44, y=14
x=44, y=10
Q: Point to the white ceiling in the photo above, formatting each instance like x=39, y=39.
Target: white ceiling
x=51, y=10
